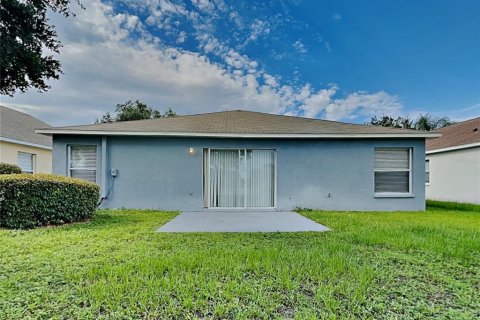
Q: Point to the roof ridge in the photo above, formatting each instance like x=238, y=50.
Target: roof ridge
x=236, y=110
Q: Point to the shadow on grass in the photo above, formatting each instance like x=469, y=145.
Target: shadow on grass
x=106, y=219
x=457, y=206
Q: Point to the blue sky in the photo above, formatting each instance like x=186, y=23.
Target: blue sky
x=339, y=60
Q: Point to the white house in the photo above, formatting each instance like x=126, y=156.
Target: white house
x=453, y=163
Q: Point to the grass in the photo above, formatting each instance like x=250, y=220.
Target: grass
x=404, y=265
x=453, y=205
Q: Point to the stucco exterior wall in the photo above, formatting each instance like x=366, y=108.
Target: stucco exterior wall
x=42, y=161
x=455, y=176
x=156, y=172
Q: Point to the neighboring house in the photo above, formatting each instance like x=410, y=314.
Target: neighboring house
x=453, y=163
x=20, y=145
x=246, y=160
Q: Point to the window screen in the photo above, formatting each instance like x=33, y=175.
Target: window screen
x=25, y=162
x=83, y=162
x=392, y=170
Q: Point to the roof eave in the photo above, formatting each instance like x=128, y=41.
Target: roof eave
x=453, y=148
x=240, y=135
x=26, y=143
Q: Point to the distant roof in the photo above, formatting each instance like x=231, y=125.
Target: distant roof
x=461, y=134
x=20, y=127
x=237, y=123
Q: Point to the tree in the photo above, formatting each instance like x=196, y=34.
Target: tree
x=426, y=122
x=136, y=110
x=26, y=39
x=106, y=118
x=387, y=121
x=170, y=113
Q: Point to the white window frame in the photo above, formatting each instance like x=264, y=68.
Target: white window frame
x=427, y=182
x=395, y=194
x=69, y=158
x=33, y=157
x=245, y=207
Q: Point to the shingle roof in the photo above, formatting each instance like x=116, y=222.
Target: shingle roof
x=233, y=123
x=21, y=126
x=459, y=134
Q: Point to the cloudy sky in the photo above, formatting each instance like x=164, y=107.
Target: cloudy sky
x=340, y=60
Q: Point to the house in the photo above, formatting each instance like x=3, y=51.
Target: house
x=453, y=163
x=242, y=159
x=20, y=145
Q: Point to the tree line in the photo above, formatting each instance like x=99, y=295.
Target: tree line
x=425, y=122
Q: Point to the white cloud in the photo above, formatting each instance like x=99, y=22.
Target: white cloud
x=258, y=28
x=336, y=16
x=316, y=102
x=163, y=14
x=204, y=5
x=327, y=46
x=363, y=104
x=105, y=70
x=109, y=58
x=163, y=7
x=299, y=46
x=458, y=114
x=355, y=105
x=182, y=36
x=271, y=81
x=236, y=18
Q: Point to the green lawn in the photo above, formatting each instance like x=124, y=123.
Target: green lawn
x=372, y=265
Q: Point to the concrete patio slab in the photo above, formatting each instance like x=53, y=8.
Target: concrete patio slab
x=241, y=221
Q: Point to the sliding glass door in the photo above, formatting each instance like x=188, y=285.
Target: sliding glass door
x=239, y=178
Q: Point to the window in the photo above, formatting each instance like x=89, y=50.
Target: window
x=427, y=171
x=26, y=162
x=83, y=162
x=393, y=170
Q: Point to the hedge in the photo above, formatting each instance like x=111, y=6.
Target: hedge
x=7, y=168
x=32, y=200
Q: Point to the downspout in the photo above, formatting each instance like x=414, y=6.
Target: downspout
x=105, y=174
x=104, y=167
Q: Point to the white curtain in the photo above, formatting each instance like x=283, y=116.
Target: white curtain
x=83, y=162
x=227, y=178
x=392, y=159
x=239, y=178
x=261, y=178
x=392, y=170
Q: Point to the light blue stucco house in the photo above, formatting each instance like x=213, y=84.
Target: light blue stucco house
x=245, y=160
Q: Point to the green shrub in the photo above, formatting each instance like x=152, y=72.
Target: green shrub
x=7, y=168
x=31, y=200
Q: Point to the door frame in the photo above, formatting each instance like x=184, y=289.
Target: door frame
x=206, y=176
